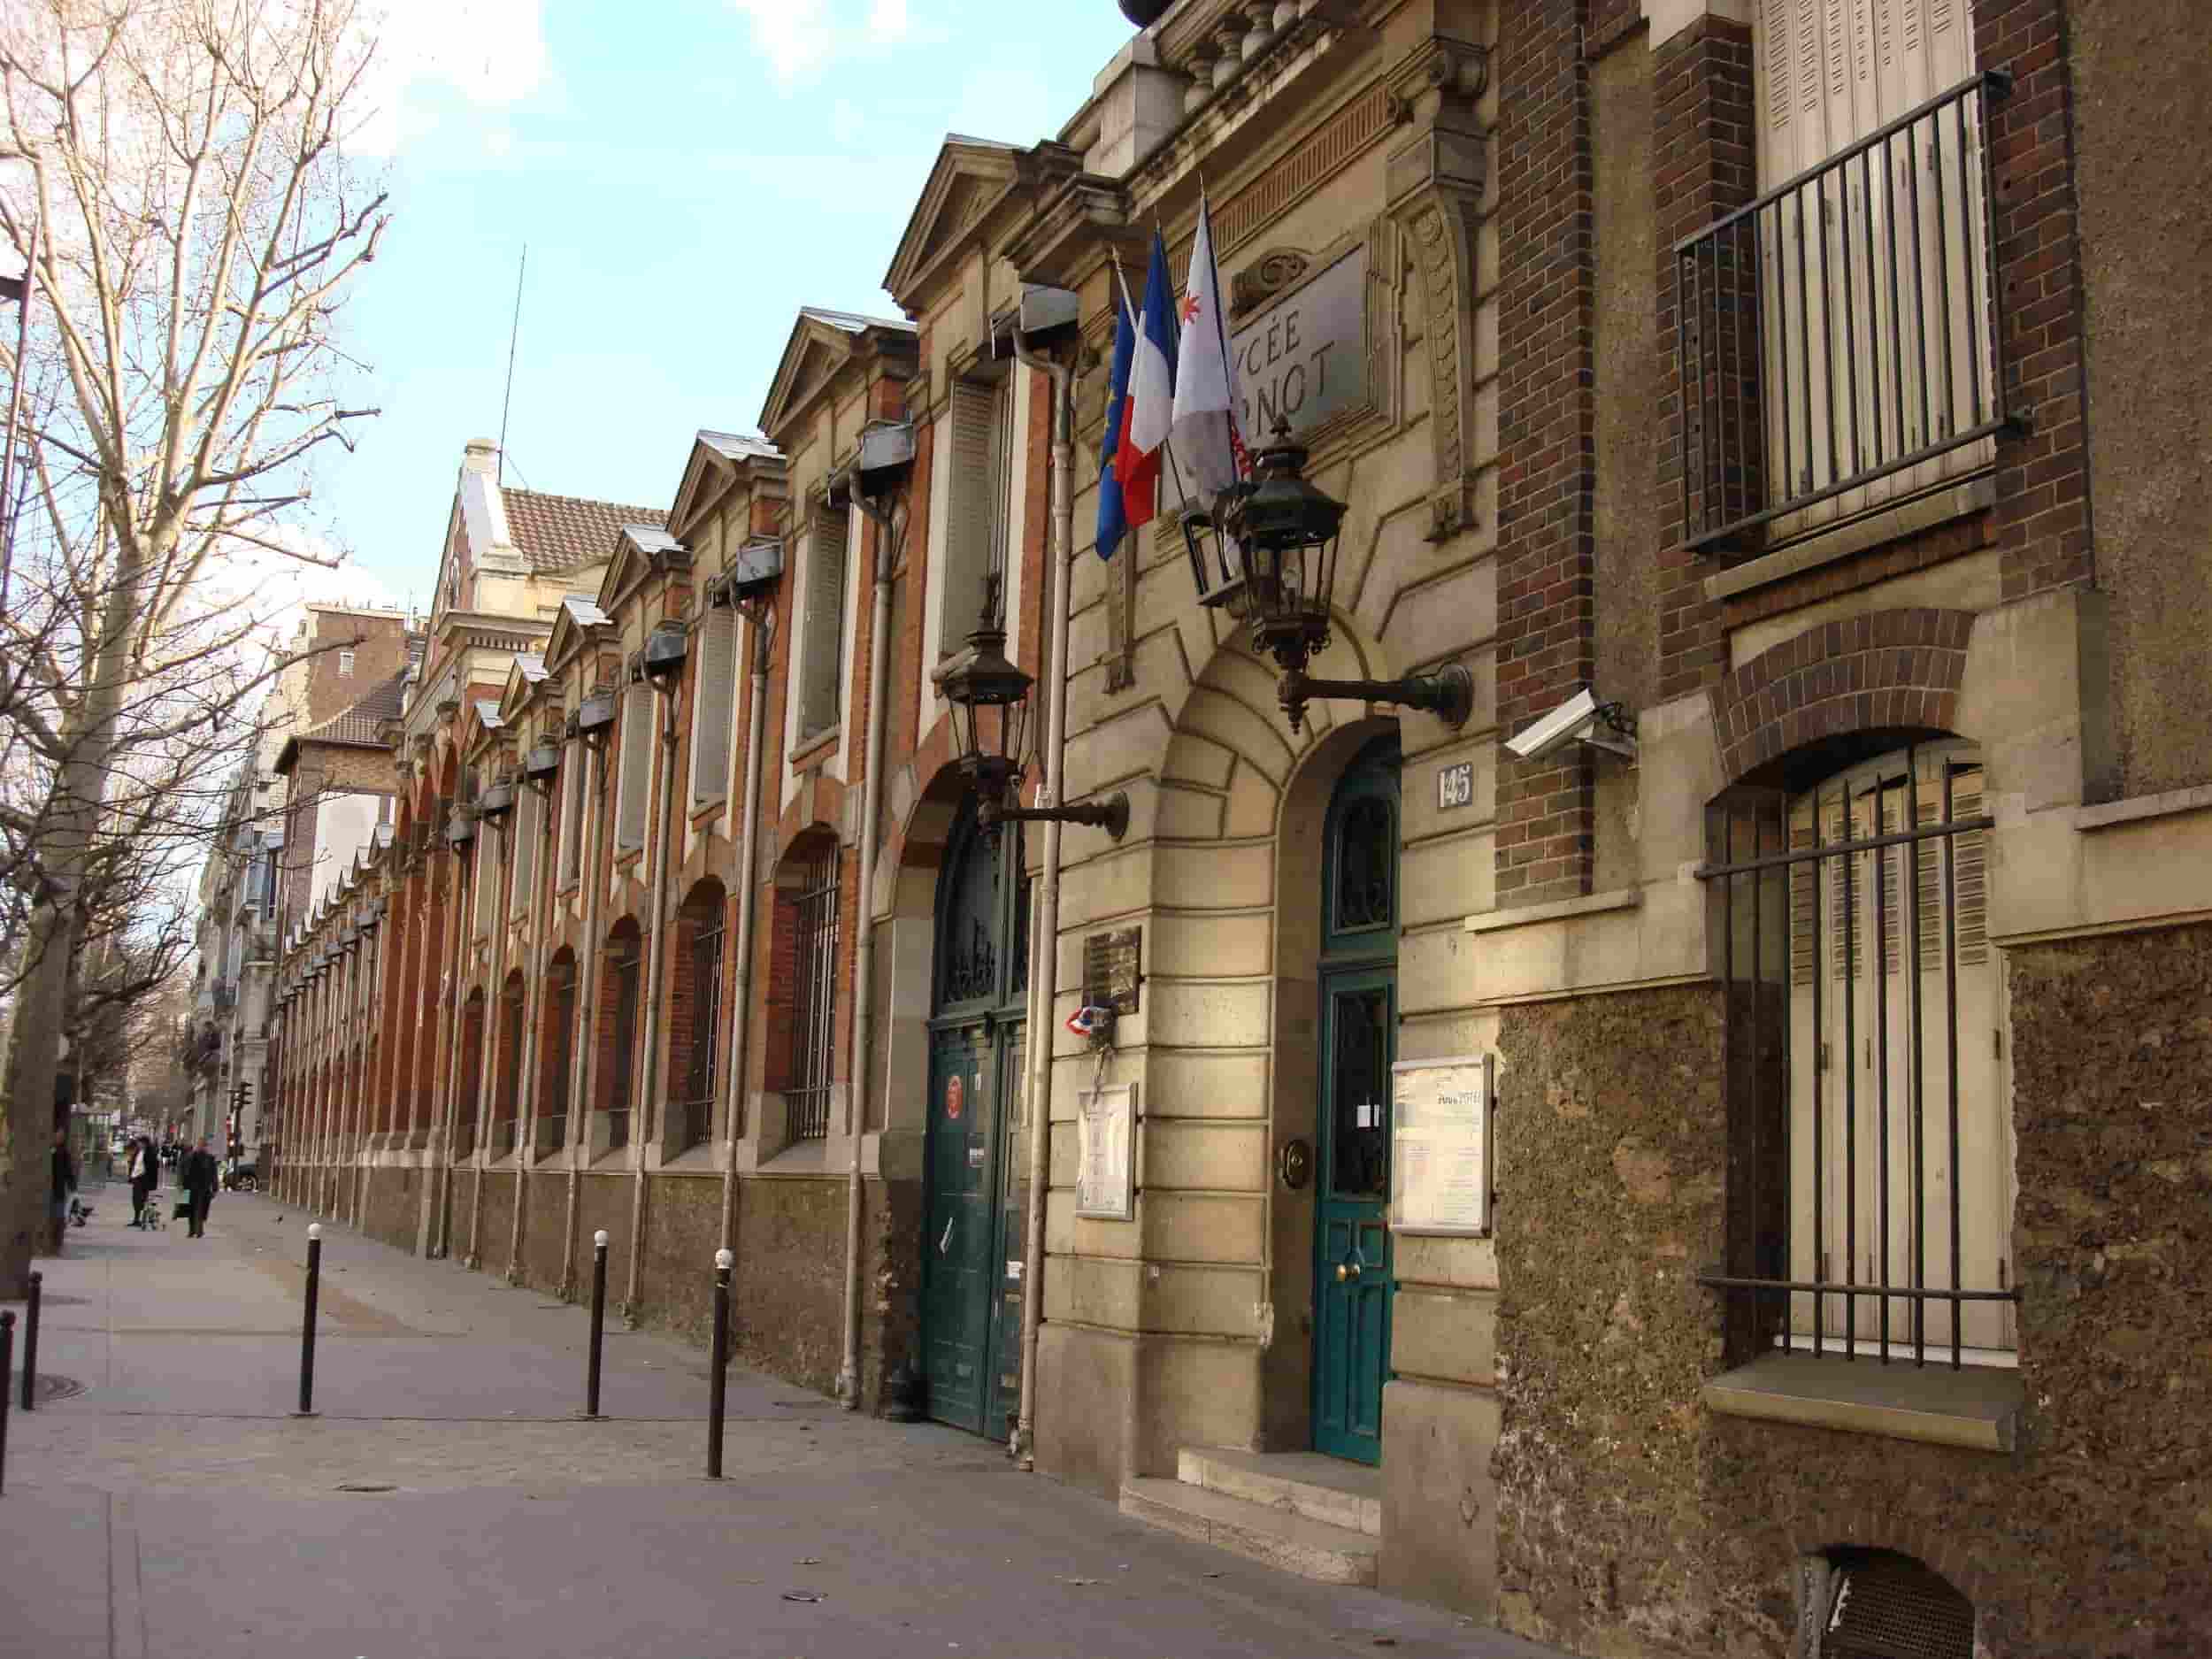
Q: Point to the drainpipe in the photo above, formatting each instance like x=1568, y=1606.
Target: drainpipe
x=581, y=1048
x=1044, y=933
x=649, y=1004
x=864, y=958
x=762, y=631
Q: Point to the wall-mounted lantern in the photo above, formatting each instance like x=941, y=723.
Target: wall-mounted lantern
x=1266, y=551
x=989, y=696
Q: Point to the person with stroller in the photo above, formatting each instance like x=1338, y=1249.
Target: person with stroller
x=144, y=1169
x=198, y=1176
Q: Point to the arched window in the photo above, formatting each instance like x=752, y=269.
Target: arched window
x=509, y=1083
x=618, y=1032
x=695, y=1012
x=1870, y=1185
x=469, y=1093
x=801, y=1037
x=557, y=1044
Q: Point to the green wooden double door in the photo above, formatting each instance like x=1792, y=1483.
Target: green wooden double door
x=973, y=1215
x=1353, y=1269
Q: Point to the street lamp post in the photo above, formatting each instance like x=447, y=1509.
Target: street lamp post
x=1266, y=552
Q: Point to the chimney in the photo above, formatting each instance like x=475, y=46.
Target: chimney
x=483, y=457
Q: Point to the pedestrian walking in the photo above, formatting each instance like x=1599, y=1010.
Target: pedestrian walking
x=65, y=1186
x=197, y=1176
x=143, y=1170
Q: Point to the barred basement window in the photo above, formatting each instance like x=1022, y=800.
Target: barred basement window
x=1871, y=1180
x=815, y=1027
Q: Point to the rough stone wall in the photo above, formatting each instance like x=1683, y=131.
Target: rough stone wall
x=1610, y=1148
x=545, y=1233
x=683, y=1229
x=462, y=1236
x=394, y=1203
x=1633, y=1522
x=790, y=1274
x=603, y=1205
x=891, y=1283
x=495, y=1235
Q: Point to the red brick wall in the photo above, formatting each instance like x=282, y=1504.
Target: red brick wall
x=1547, y=439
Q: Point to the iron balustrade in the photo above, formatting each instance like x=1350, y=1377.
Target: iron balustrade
x=1837, y=910
x=815, y=994
x=1841, y=331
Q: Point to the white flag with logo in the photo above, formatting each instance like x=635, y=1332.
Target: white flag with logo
x=1208, y=449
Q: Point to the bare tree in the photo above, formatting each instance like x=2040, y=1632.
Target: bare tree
x=178, y=176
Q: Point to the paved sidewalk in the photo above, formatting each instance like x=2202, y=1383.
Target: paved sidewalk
x=176, y=1507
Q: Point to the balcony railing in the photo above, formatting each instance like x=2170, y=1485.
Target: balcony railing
x=1838, y=337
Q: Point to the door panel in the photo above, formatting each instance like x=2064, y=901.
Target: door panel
x=1353, y=1263
x=957, y=1244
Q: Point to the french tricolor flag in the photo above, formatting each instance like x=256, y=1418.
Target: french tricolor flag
x=1150, y=409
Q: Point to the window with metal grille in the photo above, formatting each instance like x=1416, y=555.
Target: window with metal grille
x=621, y=1037
x=559, y=1041
x=814, y=998
x=1871, y=1182
x=1837, y=336
x=471, y=1075
x=509, y=1080
x=821, y=642
x=1878, y=1604
x=700, y=1071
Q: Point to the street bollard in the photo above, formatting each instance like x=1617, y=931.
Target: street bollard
x=598, y=1320
x=30, y=1340
x=7, y=1364
x=307, y=1320
x=723, y=1262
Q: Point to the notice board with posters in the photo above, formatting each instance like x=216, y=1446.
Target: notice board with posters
x=1106, y=1153
x=1440, y=1146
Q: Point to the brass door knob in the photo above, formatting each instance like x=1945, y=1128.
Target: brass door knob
x=1342, y=1272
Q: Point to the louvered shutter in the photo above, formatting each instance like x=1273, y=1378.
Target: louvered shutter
x=487, y=877
x=637, y=755
x=572, y=788
x=971, y=525
x=715, y=702
x=527, y=830
x=823, y=638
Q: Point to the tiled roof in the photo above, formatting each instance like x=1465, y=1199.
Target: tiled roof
x=360, y=725
x=561, y=532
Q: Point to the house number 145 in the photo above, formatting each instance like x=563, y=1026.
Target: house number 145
x=1455, y=786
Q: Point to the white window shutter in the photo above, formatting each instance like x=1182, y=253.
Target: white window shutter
x=978, y=509
x=572, y=787
x=822, y=638
x=527, y=829
x=637, y=757
x=714, y=705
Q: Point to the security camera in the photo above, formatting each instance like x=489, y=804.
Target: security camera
x=1582, y=718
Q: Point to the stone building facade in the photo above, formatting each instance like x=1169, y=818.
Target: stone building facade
x=1820, y=868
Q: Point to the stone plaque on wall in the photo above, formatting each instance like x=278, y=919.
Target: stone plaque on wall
x=1113, y=969
x=1106, y=1153
x=1440, y=1150
x=1304, y=358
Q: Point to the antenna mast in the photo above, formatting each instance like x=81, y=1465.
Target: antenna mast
x=514, y=338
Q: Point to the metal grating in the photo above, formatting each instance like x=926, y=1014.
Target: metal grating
x=816, y=994
x=1889, y=1606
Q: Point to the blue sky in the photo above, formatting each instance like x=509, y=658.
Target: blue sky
x=685, y=174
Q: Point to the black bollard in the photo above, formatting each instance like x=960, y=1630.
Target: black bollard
x=723, y=1261
x=30, y=1340
x=599, y=1321
x=7, y=1364
x=307, y=1321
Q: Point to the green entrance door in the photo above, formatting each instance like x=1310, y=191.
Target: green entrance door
x=1359, y=1024
x=972, y=1236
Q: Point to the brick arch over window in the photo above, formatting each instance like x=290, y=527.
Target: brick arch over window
x=1893, y=669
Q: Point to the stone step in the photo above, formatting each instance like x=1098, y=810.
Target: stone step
x=1273, y=1536
x=1324, y=1489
